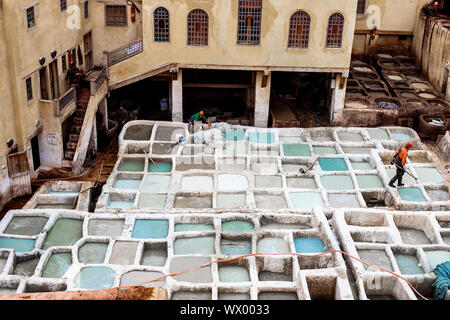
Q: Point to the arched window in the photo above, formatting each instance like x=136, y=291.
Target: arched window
x=335, y=31
x=249, y=22
x=161, y=25
x=299, y=30
x=361, y=8
x=198, y=28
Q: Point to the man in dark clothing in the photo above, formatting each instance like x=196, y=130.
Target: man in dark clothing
x=74, y=75
x=122, y=117
x=400, y=161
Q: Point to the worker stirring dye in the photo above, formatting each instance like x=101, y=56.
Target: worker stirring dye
x=197, y=117
x=400, y=160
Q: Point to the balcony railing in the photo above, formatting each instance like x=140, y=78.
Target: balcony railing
x=125, y=52
x=96, y=79
x=64, y=101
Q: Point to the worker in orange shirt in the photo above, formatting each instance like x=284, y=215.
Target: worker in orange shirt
x=400, y=161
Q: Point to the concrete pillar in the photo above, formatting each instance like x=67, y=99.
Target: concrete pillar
x=177, y=98
x=447, y=93
x=339, y=88
x=262, y=98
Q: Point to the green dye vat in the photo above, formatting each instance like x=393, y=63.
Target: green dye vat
x=369, y=181
x=65, y=232
x=411, y=194
x=296, y=150
x=127, y=184
x=361, y=165
x=233, y=274
x=333, y=164
x=337, y=182
x=151, y=229
x=378, y=134
x=163, y=167
x=19, y=245
x=235, y=247
x=199, y=245
x=92, y=252
x=306, y=200
x=95, y=278
x=132, y=165
x=427, y=175
x=156, y=183
x=437, y=257
x=183, y=227
x=261, y=137
x=408, y=264
x=234, y=135
x=121, y=204
x=237, y=226
x=309, y=245
x=324, y=150
x=57, y=265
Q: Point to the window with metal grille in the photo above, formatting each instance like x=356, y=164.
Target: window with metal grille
x=299, y=30
x=63, y=4
x=335, y=31
x=197, y=28
x=361, y=8
x=249, y=22
x=161, y=25
x=30, y=17
x=86, y=9
x=64, y=63
x=116, y=15
x=29, y=89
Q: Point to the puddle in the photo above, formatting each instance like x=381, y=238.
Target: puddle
x=57, y=265
x=26, y=226
x=92, y=252
x=65, y=232
x=233, y=274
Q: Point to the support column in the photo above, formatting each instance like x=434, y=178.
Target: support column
x=262, y=98
x=177, y=97
x=339, y=88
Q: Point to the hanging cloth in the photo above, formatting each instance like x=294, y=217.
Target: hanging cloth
x=80, y=56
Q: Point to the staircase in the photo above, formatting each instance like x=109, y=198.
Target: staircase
x=77, y=123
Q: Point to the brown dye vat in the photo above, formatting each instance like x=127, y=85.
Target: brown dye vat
x=380, y=93
x=408, y=94
x=368, y=75
x=439, y=105
x=373, y=85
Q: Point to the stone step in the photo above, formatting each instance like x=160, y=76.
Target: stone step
x=69, y=155
x=80, y=112
x=78, y=121
x=72, y=146
x=76, y=129
x=74, y=137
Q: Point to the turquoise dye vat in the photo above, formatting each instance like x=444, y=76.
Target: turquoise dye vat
x=95, y=278
x=92, y=252
x=333, y=164
x=132, y=165
x=156, y=183
x=400, y=136
x=260, y=137
x=163, y=167
x=296, y=150
x=127, y=184
x=19, y=245
x=182, y=227
x=309, y=245
x=151, y=229
x=408, y=264
x=437, y=257
x=121, y=204
x=234, y=135
x=199, y=245
x=324, y=150
x=361, y=165
x=369, y=181
x=272, y=245
x=427, y=175
x=306, y=200
x=337, y=182
x=237, y=226
x=57, y=265
x=233, y=274
x=235, y=247
x=411, y=194
x=65, y=232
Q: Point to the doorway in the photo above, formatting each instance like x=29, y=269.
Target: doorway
x=54, y=82
x=88, y=51
x=43, y=83
x=35, y=153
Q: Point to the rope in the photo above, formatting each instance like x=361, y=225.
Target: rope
x=273, y=254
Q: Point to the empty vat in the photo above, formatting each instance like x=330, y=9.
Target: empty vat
x=156, y=183
x=143, y=278
x=168, y=133
x=189, y=295
x=376, y=258
x=92, y=252
x=268, y=182
x=180, y=264
x=232, y=182
x=26, y=226
x=123, y=252
x=26, y=268
x=284, y=226
x=267, y=295
x=413, y=236
x=103, y=227
x=65, y=232
x=231, y=201
x=306, y=200
x=138, y=133
x=301, y=183
x=343, y=200
x=154, y=257
x=268, y=201
x=197, y=245
x=274, y=276
x=151, y=229
x=193, y=202
x=438, y=195
x=233, y=296
x=152, y=201
x=233, y=274
x=197, y=183
x=57, y=265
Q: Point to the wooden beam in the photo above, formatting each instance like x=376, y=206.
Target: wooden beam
x=216, y=85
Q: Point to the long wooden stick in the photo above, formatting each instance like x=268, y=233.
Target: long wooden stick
x=405, y=171
x=151, y=160
x=309, y=168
